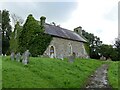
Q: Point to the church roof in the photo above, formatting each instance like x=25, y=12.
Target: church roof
x=63, y=33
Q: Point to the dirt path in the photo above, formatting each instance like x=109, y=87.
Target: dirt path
x=99, y=78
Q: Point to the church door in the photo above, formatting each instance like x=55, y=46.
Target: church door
x=52, y=52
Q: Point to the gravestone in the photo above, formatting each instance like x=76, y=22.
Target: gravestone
x=22, y=58
x=26, y=57
x=18, y=57
x=12, y=56
x=72, y=58
x=61, y=57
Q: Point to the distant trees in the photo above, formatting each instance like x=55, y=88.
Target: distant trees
x=98, y=49
x=6, y=31
x=94, y=44
x=106, y=50
x=117, y=45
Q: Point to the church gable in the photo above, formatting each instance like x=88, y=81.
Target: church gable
x=63, y=48
x=64, y=42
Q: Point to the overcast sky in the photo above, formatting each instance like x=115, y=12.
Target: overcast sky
x=99, y=17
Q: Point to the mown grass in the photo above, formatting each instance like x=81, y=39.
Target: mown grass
x=47, y=73
x=113, y=74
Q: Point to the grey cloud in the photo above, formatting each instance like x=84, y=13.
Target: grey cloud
x=54, y=11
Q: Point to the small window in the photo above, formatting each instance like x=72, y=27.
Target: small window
x=70, y=49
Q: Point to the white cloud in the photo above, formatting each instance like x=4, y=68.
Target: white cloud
x=95, y=16
x=90, y=14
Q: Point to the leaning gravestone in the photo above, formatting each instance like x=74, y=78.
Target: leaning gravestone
x=12, y=56
x=18, y=57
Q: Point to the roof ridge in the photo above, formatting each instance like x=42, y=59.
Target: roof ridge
x=63, y=32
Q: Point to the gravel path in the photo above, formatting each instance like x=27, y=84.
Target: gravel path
x=99, y=78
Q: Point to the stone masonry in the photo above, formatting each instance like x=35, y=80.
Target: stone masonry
x=66, y=47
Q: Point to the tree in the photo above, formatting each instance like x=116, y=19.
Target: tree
x=106, y=51
x=14, y=38
x=6, y=31
x=16, y=19
x=32, y=37
x=94, y=44
x=117, y=45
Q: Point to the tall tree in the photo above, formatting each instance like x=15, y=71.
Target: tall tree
x=94, y=44
x=6, y=31
x=14, y=37
x=16, y=18
x=33, y=37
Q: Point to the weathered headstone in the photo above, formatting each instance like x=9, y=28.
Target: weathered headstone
x=12, y=56
x=102, y=58
x=18, y=57
x=26, y=57
x=61, y=57
x=72, y=58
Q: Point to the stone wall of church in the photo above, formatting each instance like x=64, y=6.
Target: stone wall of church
x=64, y=47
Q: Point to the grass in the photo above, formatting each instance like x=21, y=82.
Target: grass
x=113, y=74
x=47, y=73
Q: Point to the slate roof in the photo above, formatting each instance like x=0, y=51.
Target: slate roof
x=62, y=33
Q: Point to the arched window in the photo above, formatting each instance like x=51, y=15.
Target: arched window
x=51, y=50
x=70, y=49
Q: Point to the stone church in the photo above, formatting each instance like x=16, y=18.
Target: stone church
x=65, y=42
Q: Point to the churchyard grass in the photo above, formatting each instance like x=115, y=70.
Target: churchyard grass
x=113, y=74
x=47, y=73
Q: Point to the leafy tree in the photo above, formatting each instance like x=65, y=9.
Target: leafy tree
x=114, y=55
x=117, y=45
x=16, y=19
x=33, y=37
x=106, y=51
x=14, y=39
x=94, y=44
x=6, y=31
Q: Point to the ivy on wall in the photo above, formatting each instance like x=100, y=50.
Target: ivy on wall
x=33, y=37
